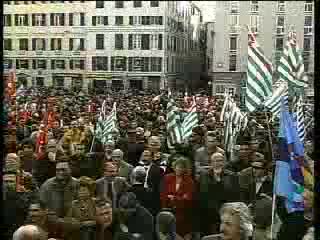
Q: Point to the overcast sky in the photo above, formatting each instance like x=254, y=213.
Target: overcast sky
x=207, y=8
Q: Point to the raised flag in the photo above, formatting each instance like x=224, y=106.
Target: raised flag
x=174, y=130
x=190, y=120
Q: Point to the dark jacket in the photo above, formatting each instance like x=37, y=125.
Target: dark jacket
x=144, y=196
x=136, y=225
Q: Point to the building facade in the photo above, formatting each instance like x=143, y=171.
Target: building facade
x=271, y=21
x=100, y=44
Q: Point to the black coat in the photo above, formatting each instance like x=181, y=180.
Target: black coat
x=144, y=196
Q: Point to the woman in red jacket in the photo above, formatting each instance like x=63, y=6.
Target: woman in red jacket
x=178, y=194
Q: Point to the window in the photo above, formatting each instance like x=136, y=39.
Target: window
x=160, y=39
x=78, y=64
x=154, y=41
x=135, y=20
x=118, y=4
x=118, y=63
x=8, y=63
x=56, y=44
x=76, y=44
x=254, y=6
x=145, y=20
x=39, y=20
x=307, y=44
x=137, y=64
x=154, y=3
x=137, y=4
x=231, y=91
x=23, y=44
x=57, y=64
x=254, y=23
x=99, y=63
x=118, y=42
x=99, y=41
x=22, y=64
x=38, y=44
x=156, y=20
x=306, y=60
x=58, y=81
x=71, y=19
x=99, y=4
x=7, y=20
x=234, y=20
x=21, y=20
x=220, y=89
x=39, y=64
x=134, y=41
x=234, y=7
x=307, y=24
x=57, y=19
x=233, y=43
x=99, y=20
x=308, y=6
x=7, y=44
x=232, y=62
x=119, y=20
x=279, y=43
x=156, y=64
x=281, y=6
x=145, y=42
x=82, y=19
x=280, y=24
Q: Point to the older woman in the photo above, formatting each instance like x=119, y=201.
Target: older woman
x=236, y=221
x=178, y=194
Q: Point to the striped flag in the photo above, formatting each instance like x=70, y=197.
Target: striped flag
x=190, y=120
x=174, y=130
x=291, y=67
x=300, y=120
x=259, y=76
x=109, y=124
x=273, y=103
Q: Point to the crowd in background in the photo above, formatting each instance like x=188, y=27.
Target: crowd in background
x=61, y=180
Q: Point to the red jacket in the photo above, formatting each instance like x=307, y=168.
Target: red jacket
x=182, y=203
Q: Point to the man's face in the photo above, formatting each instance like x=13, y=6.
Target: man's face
x=258, y=169
x=217, y=164
x=116, y=157
x=195, y=137
x=244, y=152
x=104, y=215
x=109, y=148
x=147, y=156
x=84, y=193
x=111, y=169
x=56, y=124
x=230, y=226
x=27, y=149
x=36, y=214
x=211, y=143
x=63, y=171
x=155, y=145
x=9, y=181
x=156, y=156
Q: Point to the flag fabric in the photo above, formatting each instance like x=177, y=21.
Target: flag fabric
x=174, y=129
x=190, y=120
x=300, y=119
x=273, y=103
x=289, y=179
x=259, y=76
x=105, y=125
x=291, y=67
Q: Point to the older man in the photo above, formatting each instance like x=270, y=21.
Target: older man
x=30, y=232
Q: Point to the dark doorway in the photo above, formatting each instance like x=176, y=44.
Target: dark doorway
x=136, y=84
x=99, y=86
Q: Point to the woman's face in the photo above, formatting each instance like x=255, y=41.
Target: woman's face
x=84, y=193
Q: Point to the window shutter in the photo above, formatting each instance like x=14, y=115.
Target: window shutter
x=59, y=44
x=33, y=19
x=51, y=19
x=94, y=63
x=70, y=19
x=34, y=64
x=82, y=19
x=62, y=19
x=71, y=64
x=17, y=64
x=26, y=20
x=53, y=64
x=9, y=20
x=160, y=20
x=44, y=44
x=105, y=20
x=130, y=41
x=16, y=20
x=71, y=44
x=130, y=20
x=81, y=44
x=34, y=42
x=94, y=19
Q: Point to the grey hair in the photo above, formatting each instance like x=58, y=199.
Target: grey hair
x=35, y=232
x=138, y=175
x=118, y=151
x=246, y=220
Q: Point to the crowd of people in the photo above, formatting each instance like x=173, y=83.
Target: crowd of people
x=61, y=183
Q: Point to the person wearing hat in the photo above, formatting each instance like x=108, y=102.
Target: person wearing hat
x=131, y=214
x=255, y=180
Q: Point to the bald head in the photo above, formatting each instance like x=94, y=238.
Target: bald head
x=117, y=155
x=29, y=232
